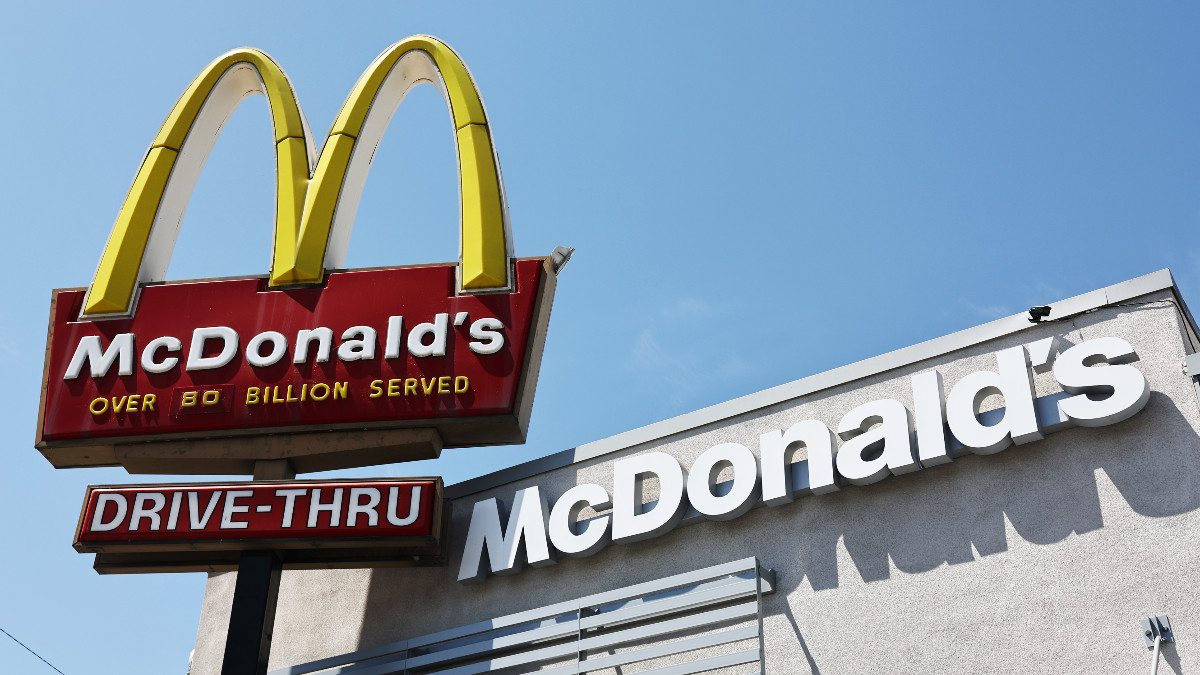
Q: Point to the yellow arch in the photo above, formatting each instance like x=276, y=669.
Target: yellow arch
x=315, y=207
x=345, y=158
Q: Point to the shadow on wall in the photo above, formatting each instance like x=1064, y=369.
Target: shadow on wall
x=1047, y=490
x=952, y=514
x=955, y=513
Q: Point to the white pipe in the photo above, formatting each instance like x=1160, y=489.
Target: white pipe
x=1157, y=648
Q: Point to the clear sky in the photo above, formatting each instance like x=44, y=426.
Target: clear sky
x=756, y=191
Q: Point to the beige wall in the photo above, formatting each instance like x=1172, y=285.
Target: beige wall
x=1041, y=558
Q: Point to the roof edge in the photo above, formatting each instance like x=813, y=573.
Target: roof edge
x=905, y=356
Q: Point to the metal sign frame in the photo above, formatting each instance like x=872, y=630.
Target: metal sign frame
x=640, y=624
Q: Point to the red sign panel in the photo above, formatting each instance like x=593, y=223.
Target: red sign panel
x=371, y=349
x=186, y=523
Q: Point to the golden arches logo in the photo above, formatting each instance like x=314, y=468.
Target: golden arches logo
x=316, y=195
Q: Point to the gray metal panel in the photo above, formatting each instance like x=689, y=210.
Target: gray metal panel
x=378, y=668
x=344, y=659
x=1139, y=286
x=1121, y=292
x=670, y=626
x=766, y=579
x=746, y=587
x=640, y=612
x=381, y=665
x=516, y=639
x=678, y=593
x=678, y=647
x=1189, y=322
x=1193, y=364
x=528, y=616
x=523, y=658
x=711, y=663
x=607, y=597
x=643, y=600
x=569, y=669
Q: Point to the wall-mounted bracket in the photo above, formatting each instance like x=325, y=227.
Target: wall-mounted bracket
x=1191, y=365
x=1155, y=627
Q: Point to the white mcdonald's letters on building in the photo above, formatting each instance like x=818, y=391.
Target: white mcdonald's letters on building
x=878, y=438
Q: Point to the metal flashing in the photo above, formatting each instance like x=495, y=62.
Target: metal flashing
x=661, y=618
x=1117, y=293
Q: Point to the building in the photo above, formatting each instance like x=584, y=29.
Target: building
x=1038, y=556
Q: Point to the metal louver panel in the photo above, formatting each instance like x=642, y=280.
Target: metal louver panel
x=686, y=623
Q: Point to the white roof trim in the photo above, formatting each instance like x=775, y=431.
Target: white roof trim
x=1117, y=293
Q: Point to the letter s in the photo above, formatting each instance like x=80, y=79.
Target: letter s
x=488, y=338
x=1079, y=372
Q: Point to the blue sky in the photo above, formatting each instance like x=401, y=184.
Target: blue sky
x=757, y=192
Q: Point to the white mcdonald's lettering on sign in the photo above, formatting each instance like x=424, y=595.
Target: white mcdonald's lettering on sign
x=187, y=377
x=1099, y=388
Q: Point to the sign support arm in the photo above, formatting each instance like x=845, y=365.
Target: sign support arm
x=252, y=617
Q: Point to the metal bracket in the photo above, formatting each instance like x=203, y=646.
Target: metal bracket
x=1191, y=365
x=1155, y=627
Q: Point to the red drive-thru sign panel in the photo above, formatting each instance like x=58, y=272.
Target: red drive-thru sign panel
x=370, y=349
x=205, y=526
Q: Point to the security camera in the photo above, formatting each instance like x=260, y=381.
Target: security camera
x=1036, y=314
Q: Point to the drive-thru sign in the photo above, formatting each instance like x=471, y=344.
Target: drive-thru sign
x=203, y=527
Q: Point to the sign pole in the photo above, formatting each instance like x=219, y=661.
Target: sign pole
x=252, y=616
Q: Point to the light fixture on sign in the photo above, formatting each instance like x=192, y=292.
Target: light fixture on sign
x=560, y=256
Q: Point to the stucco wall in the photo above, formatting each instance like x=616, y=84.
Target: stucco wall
x=1042, y=558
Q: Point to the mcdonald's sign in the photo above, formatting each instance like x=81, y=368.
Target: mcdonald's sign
x=326, y=367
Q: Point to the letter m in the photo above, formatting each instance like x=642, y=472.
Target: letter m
x=526, y=522
x=99, y=362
